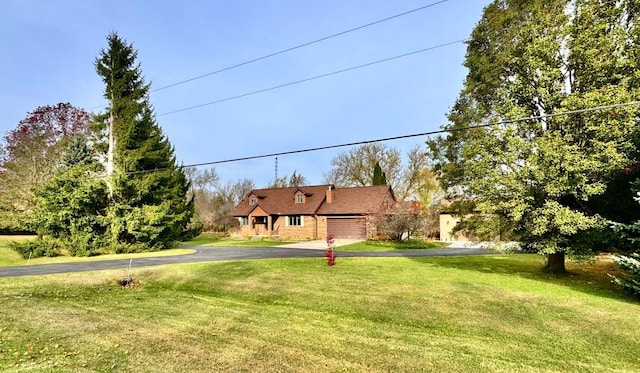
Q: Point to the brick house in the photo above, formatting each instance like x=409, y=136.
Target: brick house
x=312, y=211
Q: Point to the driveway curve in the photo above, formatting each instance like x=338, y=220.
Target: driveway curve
x=214, y=254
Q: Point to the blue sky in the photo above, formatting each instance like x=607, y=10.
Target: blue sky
x=48, y=49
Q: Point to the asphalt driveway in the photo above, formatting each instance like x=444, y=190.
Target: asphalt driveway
x=213, y=254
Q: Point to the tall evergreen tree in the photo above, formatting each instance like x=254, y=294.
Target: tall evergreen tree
x=534, y=178
x=150, y=207
x=379, y=177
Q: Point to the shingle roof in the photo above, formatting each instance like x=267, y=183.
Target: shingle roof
x=281, y=201
x=357, y=200
x=348, y=201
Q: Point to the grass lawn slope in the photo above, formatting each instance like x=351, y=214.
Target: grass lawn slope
x=9, y=257
x=450, y=314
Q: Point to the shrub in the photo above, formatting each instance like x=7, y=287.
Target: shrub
x=631, y=264
x=84, y=244
x=37, y=248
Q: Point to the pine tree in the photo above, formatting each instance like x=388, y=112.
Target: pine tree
x=630, y=262
x=149, y=204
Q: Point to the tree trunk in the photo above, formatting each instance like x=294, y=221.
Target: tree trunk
x=111, y=149
x=555, y=263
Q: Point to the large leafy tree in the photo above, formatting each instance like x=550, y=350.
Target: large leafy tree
x=150, y=207
x=30, y=155
x=534, y=178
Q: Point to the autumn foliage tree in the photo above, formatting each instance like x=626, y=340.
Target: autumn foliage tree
x=31, y=153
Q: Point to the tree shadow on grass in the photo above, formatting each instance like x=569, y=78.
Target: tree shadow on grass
x=589, y=277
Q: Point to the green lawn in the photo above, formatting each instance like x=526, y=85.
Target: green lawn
x=9, y=257
x=213, y=239
x=371, y=245
x=453, y=314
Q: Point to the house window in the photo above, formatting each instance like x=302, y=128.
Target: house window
x=300, y=198
x=295, y=221
x=253, y=201
x=244, y=220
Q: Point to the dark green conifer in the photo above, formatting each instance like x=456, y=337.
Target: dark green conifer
x=149, y=207
x=379, y=177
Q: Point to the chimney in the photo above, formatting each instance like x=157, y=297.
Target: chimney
x=329, y=195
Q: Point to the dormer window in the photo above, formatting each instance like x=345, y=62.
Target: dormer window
x=300, y=198
x=253, y=201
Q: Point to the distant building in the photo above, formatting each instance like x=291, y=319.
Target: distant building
x=447, y=222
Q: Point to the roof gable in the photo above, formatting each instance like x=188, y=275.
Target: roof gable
x=282, y=201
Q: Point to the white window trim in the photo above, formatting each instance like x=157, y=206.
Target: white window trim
x=286, y=221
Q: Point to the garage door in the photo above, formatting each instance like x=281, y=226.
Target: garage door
x=346, y=228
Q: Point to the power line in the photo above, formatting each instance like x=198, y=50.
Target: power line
x=312, y=78
x=450, y=130
x=299, y=46
x=290, y=49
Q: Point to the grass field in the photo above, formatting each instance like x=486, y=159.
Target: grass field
x=393, y=245
x=213, y=239
x=9, y=257
x=450, y=314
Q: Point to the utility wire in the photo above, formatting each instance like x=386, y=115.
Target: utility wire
x=298, y=46
x=290, y=49
x=312, y=78
x=450, y=130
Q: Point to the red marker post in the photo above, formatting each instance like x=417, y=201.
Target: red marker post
x=331, y=253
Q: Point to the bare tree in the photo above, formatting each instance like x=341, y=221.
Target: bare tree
x=355, y=167
x=413, y=180
x=401, y=221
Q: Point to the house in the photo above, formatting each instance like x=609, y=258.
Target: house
x=447, y=222
x=313, y=211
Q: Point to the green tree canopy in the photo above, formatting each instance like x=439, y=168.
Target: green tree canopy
x=533, y=178
x=70, y=208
